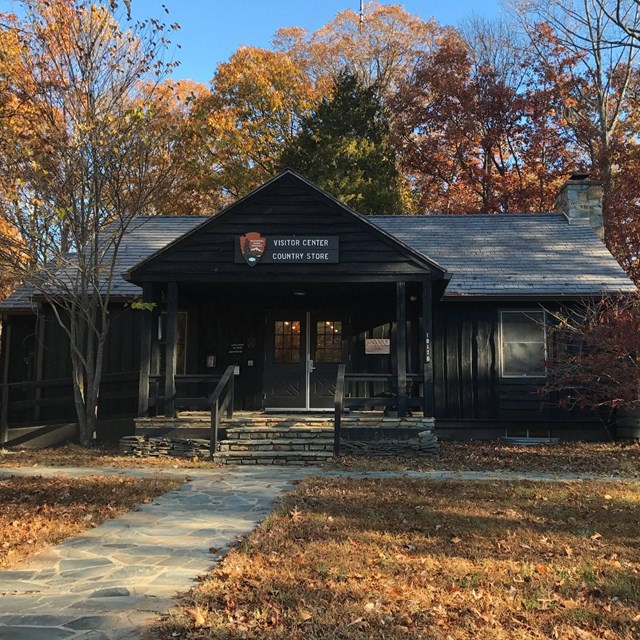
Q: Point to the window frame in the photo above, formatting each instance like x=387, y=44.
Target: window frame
x=526, y=376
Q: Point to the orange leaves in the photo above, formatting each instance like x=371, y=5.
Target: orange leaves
x=197, y=614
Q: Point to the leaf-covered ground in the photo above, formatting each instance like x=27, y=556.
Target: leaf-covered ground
x=400, y=559
x=72, y=455
x=605, y=458
x=38, y=512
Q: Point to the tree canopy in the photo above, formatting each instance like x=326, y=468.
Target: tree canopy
x=344, y=146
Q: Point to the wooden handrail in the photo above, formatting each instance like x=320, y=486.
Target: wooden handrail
x=50, y=382
x=226, y=384
x=339, y=408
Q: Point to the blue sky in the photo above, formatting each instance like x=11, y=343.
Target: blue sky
x=211, y=30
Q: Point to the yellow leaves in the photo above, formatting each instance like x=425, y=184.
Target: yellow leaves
x=304, y=616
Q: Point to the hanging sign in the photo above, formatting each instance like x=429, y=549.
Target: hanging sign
x=253, y=248
x=377, y=346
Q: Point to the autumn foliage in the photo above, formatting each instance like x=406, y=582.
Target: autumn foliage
x=488, y=117
x=595, y=354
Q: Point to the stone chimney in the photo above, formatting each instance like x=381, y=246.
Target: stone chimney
x=580, y=201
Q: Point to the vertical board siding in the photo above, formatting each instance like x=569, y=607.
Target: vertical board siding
x=467, y=381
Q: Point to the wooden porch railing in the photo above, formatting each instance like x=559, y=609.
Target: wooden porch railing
x=221, y=401
x=51, y=400
x=370, y=391
x=192, y=391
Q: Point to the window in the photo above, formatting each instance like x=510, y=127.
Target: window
x=329, y=341
x=287, y=341
x=523, y=344
x=181, y=342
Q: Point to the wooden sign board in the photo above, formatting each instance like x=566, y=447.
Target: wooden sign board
x=377, y=346
x=254, y=248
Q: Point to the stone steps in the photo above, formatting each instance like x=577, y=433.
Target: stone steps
x=290, y=444
x=273, y=457
x=258, y=438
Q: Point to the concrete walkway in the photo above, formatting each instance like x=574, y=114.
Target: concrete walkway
x=110, y=582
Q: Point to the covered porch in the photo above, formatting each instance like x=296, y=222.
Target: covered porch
x=283, y=344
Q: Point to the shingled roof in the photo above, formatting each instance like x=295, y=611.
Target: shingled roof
x=486, y=255
x=145, y=235
x=539, y=255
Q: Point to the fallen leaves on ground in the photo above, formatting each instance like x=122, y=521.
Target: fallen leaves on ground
x=608, y=458
x=409, y=559
x=605, y=458
x=73, y=455
x=38, y=512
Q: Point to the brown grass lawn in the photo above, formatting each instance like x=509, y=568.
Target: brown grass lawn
x=73, y=455
x=38, y=512
x=608, y=458
x=401, y=559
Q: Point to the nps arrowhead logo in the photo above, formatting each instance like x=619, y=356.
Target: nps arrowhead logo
x=252, y=246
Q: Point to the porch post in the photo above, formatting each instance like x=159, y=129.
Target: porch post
x=146, y=327
x=401, y=347
x=426, y=349
x=41, y=320
x=170, y=359
x=6, y=346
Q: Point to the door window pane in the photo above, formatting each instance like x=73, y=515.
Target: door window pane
x=523, y=338
x=287, y=341
x=329, y=341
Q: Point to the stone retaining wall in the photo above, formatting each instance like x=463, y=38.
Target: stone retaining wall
x=141, y=446
x=425, y=445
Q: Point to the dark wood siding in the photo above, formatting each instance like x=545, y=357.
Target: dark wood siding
x=122, y=357
x=285, y=208
x=468, y=385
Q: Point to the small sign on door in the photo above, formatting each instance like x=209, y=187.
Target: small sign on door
x=377, y=346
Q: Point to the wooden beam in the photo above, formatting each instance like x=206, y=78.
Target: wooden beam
x=146, y=327
x=6, y=349
x=426, y=349
x=40, y=339
x=401, y=347
x=171, y=345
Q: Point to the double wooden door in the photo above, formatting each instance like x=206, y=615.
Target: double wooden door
x=302, y=352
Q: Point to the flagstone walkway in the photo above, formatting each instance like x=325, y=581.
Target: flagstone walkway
x=110, y=582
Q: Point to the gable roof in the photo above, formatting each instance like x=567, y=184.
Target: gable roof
x=536, y=255
x=513, y=254
x=363, y=221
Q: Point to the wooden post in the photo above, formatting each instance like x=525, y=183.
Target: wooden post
x=401, y=347
x=171, y=345
x=41, y=320
x=146, y=327
x=6, y=349
x=426, y=349
x=215, y=423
